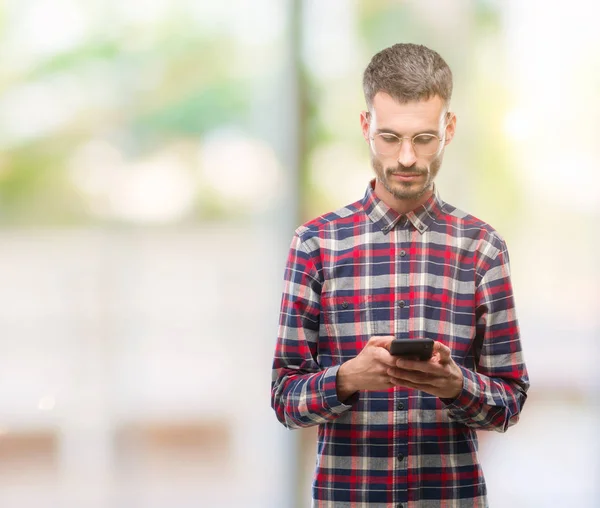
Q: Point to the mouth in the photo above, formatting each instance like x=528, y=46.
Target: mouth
x=405, y=176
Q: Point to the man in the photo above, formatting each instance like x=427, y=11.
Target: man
x=400, y=263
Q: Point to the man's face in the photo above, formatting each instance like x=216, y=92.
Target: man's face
x=405, y=174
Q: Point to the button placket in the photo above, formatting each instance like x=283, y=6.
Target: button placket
x=402, y=281
x=401, y=326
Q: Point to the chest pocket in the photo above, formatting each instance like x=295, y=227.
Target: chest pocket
x=350, y=320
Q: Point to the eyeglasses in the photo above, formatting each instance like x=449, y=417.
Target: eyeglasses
x=386, y=143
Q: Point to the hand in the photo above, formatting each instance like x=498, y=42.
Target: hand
x=439, y=376
x=368, y=370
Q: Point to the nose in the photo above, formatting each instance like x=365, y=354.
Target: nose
x=407, y=156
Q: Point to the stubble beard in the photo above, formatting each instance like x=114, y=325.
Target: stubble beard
x=407, y=191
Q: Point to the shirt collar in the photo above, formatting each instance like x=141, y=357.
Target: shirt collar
x=386, y=218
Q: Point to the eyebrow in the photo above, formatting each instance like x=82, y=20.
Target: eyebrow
x=391, y=131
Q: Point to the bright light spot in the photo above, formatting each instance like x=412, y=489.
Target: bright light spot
x=251, y=23
x=157, y=190
x=46, y=403
x=143, y=11
x=551, y=175
x=240, y=169
x=516, y=124
x=34, y=109
x=48, y=27
x=257, y=22
x=331, y=51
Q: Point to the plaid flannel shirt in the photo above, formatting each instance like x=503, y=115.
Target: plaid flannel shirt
x=364, y=271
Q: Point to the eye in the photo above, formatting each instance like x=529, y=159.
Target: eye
x=424, y=139
x=388, y=138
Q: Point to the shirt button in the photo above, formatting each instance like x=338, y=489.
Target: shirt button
x=401, y=304
x=400, y=456
x=399, y=505
x=402, y=253
x=344, y=305
x=400, y=406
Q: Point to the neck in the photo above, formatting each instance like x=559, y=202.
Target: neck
x=402, y=206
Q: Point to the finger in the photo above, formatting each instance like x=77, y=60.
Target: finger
x=413, y=376
x=417, y=365
x=416, y=386
x=381, y=341
x=384, y=356
x=443, y=351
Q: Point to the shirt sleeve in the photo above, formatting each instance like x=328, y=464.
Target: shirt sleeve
x=302, y=393
x=494, y=393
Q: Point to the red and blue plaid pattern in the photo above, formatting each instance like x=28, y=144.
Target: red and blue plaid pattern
x=363, y=271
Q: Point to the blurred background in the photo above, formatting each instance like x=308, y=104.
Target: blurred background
x=155, y=159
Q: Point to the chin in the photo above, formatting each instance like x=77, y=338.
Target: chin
x=411, y=188
x=412, y=192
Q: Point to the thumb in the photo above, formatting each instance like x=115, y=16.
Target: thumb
x=381, y=341
x=443, y=350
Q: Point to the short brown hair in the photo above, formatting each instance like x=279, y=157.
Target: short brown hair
x=408, y=72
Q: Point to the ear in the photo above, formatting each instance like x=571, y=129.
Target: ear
x=450, y=127
x=364, y=124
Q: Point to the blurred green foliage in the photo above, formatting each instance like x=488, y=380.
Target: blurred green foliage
x=171, y=83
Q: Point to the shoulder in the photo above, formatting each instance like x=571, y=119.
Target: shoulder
x=467, y=226
x=331, y=225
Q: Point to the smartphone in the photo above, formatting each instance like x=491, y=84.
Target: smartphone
x=420, y=349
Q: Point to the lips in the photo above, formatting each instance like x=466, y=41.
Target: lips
x=406, y=175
